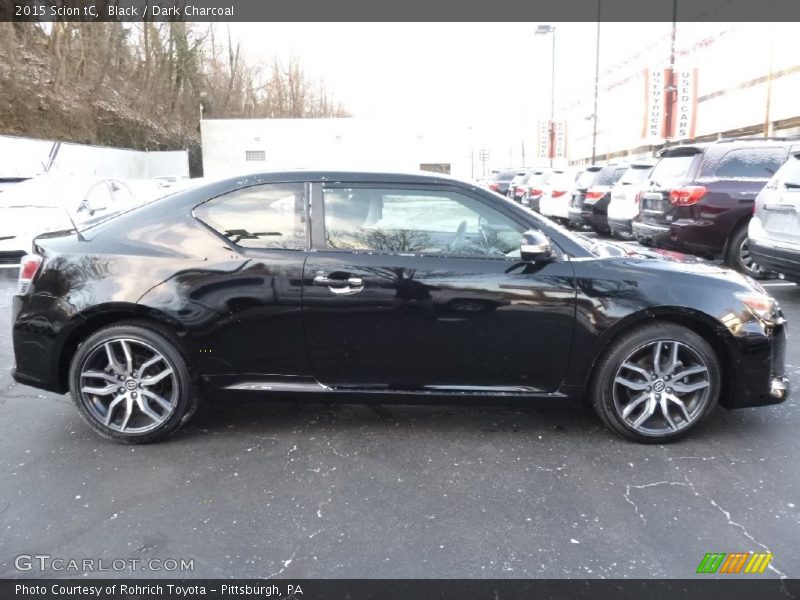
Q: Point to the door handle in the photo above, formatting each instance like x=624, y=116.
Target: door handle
x=351, y=285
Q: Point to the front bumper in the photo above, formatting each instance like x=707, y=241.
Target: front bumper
x=759, y=369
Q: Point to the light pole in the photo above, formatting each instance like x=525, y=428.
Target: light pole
x=544, y=30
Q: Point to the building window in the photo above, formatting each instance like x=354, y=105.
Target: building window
x=250, y=155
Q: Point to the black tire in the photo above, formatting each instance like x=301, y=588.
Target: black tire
x=605, y=391
x=737, y=255
x=138, y=336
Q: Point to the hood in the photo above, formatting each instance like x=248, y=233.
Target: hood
x=668, y=261
x=19, y=221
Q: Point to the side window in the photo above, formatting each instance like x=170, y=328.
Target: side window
x=262, y=216
x=435, y=222
x=750, y=163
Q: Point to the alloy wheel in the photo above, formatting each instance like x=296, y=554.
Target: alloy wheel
x=661, y=387
x=749, y=266
x=128, y=386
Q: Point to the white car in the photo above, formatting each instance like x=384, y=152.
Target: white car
x=624, y=204
x=56, y=202
x=556, y=194
x=774, y=231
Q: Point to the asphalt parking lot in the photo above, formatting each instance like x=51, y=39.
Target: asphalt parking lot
x=260, y=489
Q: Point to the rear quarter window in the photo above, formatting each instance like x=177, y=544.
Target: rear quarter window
x=673, y=169
x=746, y=163
x=790, y=171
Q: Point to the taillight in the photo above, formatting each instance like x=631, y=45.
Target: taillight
x=27, y=271
x=637, y=198
x=557, y=193
x=594, y=195
x=686, y=196
x=494, y=186
x=536, y=192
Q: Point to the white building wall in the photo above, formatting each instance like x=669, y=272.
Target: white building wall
x=728, y=56
x=331, y=144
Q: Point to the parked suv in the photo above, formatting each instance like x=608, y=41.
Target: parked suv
x=774, y=233
x=533, y=186
x=625, y=195
x=594, y=209
x=700, y=197
x=586, y=180
x=500, y=180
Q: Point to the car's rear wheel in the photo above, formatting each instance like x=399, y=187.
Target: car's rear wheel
x=132, y=383
x=656, y=383
x=739, y=257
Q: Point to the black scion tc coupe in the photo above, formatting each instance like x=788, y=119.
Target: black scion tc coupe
x=381, y=287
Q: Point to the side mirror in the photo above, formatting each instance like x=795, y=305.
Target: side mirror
x=535, y=246
x=95, y=204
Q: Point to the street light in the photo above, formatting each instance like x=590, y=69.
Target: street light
x=544, y=30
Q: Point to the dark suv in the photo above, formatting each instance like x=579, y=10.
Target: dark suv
x=700, y=197
x=500, y=180
x=586, y=180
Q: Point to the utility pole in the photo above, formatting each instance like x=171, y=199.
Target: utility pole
x=596, y=85
x=551, y=130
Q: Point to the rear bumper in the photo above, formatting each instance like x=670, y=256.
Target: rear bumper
x=597, y=219
x=685, y=235
x=37, y=343
x=772, y=258
x=534, y=203
x=620, y=226
x=575, y=216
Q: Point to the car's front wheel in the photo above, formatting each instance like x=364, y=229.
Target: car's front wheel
x=656, y=383
x=132, y=383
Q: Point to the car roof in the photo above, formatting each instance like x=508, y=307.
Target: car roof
x=301, y=175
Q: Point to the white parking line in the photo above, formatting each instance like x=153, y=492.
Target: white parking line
x=9, y=266
x=780, y=284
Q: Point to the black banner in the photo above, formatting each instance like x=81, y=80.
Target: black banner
x=415, y=589
x=408, y=10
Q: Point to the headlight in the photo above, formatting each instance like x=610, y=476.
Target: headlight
x=763, y=306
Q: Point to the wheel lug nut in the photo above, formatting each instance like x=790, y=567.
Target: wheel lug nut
x=649, y=388
x=669, y=390
x=133, y=394
x=121, y=390
x=653, y=377
x=658, y=396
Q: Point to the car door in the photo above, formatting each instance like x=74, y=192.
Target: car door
x=246, y=310
x=421, y=287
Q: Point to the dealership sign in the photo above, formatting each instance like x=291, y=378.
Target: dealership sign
x=685, y=117
x=654, y=130
x=552, y=139
x=658, y=126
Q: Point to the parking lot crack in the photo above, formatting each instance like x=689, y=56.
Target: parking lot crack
x=629, y=487
x=285, y=566
x=733, y=523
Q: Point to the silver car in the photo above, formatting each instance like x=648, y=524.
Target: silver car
x=774, y=233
